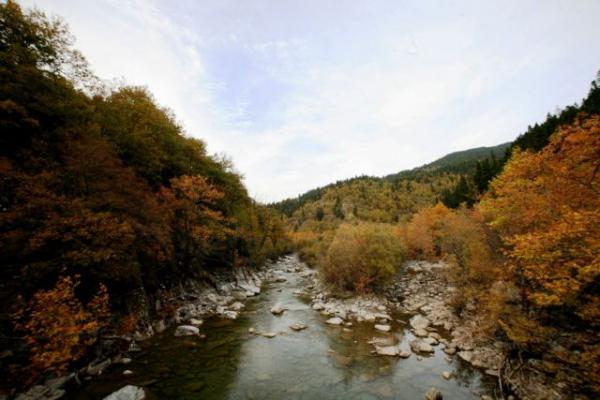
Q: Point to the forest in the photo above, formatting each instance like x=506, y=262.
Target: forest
x=109, y=208
x=106, y=203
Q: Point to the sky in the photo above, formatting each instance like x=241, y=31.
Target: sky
x=303, y=93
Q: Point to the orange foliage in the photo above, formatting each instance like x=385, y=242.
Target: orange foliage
x=546, y=207
x=58, y=327
x=423, y=234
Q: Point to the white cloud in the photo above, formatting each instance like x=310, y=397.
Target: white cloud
x=304, y=94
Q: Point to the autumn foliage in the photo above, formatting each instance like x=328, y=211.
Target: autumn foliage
x=58, y=327
x=546, y=208
x=102, y=185
x=361, y=257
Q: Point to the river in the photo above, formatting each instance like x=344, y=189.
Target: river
x=320, y=362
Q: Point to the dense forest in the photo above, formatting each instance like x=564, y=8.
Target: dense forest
x=105, y=204
x=520, y=232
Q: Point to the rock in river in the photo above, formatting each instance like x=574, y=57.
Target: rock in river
x=335, y=321
x=186, y=330
x=387, y=350
x=419, y=322
x=433, y=394
x=297, y=327
x=278, y=309
x=383, y=328
x=418, y=346
x=128, y=392
x=269, y=335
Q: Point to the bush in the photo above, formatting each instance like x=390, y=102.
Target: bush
x=361, y=257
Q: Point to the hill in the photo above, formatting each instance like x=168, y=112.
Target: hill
x=460, y=162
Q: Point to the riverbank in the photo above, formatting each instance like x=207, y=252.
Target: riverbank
x=278, y=330
x=281, y=347
x=422, y=292
x=218, y=294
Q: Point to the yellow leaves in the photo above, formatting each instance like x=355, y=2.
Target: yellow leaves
x=546, y=207
x=58, y=327
x=362, y=256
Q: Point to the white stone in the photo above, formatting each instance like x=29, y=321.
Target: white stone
x=128, y=392
x=383, y=328
x=335, y=321
x=186, y=330
x=387, y=350
x=230, y=314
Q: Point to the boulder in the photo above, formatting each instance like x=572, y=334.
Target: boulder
x=420, y=333
x=383, y=328
x=237, y=306
x=96, y=369
x=187, y=330
x=128, y=392
x=230, y=314
x=269, y=335
x=297, y=327
x=404, y=354
x=430, y=340
x=446, y=375
x=278, y=309
x=433, y=394
x=387, y=350
x=418, y=346
x=419, y=322
x=335, y=321
x=466, y=355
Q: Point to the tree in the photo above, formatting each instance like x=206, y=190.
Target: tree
x=546, y=208
x=58, y=327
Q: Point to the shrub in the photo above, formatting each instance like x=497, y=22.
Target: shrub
x=361, y=257
x=58, y=327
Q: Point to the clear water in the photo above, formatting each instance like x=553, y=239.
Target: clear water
x=320, y=362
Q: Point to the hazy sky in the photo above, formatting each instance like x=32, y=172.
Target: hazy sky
x=302, y=93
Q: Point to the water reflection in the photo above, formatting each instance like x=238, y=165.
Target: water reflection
x=320, y=362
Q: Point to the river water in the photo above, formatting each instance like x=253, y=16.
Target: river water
x=320, y=362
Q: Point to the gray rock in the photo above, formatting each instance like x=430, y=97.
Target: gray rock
x=237, y=306
x=404, y=354
x=96, y=369
x=433, y=394
x=128, y=392
x=418, y=346
x=297, y=327
x=420, y=333
x=335, y=321
x=278, y=309
x=41, y=392
x=419, y=322
x=269, y=335
x=187, y=330
x=466, y=355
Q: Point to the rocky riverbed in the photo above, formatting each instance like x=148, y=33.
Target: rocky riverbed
x=293, y=340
